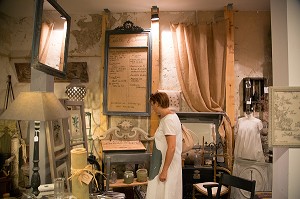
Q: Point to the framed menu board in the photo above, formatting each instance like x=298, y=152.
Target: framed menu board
x=127, y=79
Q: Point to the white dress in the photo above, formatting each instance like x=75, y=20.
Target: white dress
x=247, y=139
x=172, y=187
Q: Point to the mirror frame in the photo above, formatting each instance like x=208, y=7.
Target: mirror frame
x=203, y=117
x=35, y=62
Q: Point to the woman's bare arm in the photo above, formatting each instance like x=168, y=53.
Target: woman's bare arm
x=171, y=141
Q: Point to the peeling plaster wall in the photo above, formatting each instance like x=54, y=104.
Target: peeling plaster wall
x=15, y=47
x=138, y=19
x=253, y=55
x=84, y=46
x=85, y=35
x=252, y=50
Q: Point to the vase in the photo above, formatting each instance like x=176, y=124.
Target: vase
x=142, y=175
x=128, y=177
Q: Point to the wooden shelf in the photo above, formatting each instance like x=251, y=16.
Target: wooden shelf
x=120, y=183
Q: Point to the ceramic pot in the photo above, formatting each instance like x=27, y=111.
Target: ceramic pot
x=128, y=177
x=142, y=175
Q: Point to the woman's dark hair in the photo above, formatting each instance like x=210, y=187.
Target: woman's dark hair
x=161, y=99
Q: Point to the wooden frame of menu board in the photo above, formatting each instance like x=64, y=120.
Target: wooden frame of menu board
x=127, y=79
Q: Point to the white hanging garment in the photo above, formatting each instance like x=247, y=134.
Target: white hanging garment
x=247, y=139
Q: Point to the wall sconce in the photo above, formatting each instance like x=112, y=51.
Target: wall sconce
x=154, y=13
x=75, y=90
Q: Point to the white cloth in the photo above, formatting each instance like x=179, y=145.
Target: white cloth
x=247, y=139
x=172, y=187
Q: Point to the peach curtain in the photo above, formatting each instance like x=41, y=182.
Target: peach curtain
x=200, y=56
x=46, y=31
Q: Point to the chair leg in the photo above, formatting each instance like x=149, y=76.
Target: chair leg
x=194, y=193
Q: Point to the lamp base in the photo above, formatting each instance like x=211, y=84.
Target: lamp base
x=35, y=178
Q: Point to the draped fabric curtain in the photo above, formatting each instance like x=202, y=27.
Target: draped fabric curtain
x=200, y=60
x=200, y=56
x=62, y=50
x=46, y=32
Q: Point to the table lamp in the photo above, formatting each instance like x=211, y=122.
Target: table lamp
x=37, y=107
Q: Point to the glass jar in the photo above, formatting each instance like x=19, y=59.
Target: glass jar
x=128, y=177
x=59, y=188
x=113, y=176
x=142, y=175
x=198, y=159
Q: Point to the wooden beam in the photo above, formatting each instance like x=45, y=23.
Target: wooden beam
x=230, y=75
x=103, y=118
x=154, y=120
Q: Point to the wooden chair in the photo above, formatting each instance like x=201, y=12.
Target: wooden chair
x=201, y=188
x=232, y=181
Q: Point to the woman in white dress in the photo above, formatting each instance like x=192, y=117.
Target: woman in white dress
x=165, y=175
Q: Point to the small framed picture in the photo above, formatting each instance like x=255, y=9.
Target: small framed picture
x=284, y=118
x=57, y=132
x=75, y=124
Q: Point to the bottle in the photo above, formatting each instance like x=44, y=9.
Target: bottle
x=113, y=176
x=197, y=158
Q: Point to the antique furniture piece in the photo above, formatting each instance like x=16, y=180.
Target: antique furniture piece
x=233, y=181
x=261, y=172
x=192, y=175
x=124, y=157
x=76, y=124
x=123, y=144
x=205, y=126
x=58, y=151
x=217, y=172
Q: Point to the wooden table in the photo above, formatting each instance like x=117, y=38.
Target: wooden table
x=133, y=157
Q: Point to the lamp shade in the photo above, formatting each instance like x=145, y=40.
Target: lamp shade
x=75, y=90
x=35, y=106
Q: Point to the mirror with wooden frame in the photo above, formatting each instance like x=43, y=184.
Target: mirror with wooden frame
x=50, y=38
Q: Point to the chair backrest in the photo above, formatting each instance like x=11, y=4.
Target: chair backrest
x=238, y=182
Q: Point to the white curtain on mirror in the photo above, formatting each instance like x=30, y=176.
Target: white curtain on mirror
x=62, y=50
x=46, y=32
